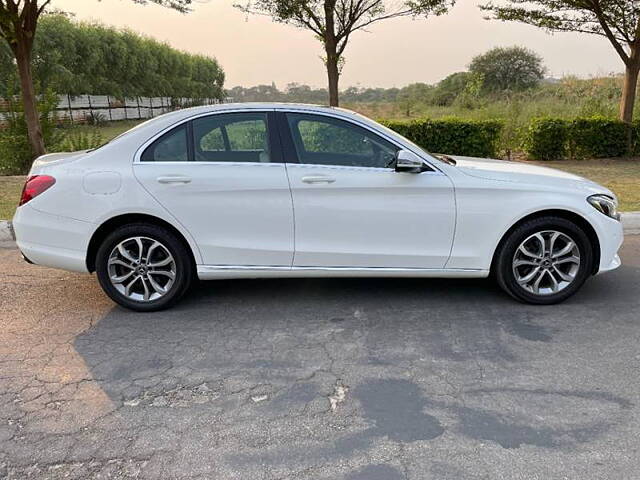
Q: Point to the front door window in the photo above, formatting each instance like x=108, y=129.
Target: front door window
x=323, y=140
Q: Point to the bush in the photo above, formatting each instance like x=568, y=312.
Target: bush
x=15, y=151
x=80, y=141
x=452, y=136
x=598, y=137
x=96, y=119
x=546, y=138
x=588, y=137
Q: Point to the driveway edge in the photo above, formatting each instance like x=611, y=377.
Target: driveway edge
x=630, y=222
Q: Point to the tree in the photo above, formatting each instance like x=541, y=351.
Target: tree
x=511, y=68
x=617, y=20
x=86, y=58
x=18, y=25
x=411, y=95
x=448, y=89
x=334, y=21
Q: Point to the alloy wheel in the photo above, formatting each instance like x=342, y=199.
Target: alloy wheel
x=141, y=269
x=546, y=262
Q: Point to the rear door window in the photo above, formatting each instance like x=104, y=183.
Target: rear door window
x=231, y=137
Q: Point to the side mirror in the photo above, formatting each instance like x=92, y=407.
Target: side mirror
x=407, y=161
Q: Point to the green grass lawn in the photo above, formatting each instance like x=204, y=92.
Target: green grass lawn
x=10, y=189
x=108, y=131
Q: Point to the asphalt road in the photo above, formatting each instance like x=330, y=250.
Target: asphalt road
x=319, y=379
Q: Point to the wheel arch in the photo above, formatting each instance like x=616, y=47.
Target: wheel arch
x=576, y=218
x=120, y=220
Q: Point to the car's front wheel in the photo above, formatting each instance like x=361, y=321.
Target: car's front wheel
x=144, y=267
x=544, y=261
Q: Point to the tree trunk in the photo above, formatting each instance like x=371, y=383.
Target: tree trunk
x=333, y=74
x=628, y=99
x=23, y=60
x=331, y=49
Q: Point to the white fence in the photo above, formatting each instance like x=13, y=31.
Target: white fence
x=81, y=108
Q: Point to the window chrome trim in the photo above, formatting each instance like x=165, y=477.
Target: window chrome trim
x=235, y=164
x=283, y=109
x=352, y=167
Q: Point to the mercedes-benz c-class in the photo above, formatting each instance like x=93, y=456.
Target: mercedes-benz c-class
x=270, y=190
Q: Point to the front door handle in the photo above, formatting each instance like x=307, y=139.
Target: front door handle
x=174, y=179
x=313, y=179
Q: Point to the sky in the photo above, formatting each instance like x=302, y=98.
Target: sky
x=255, y=50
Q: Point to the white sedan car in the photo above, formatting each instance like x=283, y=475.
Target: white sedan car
x=272, y=190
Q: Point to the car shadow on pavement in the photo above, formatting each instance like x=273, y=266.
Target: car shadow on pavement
x=238, y=324
x=265, y=328
x=292, y=373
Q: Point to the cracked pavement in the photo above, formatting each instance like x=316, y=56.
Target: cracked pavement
x=355, y=379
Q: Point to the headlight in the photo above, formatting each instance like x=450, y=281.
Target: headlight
x=605, y=204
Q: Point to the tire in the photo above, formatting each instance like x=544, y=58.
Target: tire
x=531, y=275
x=147, y=282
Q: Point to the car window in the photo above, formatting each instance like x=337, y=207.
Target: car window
x=213, y=141
x=323, y=140
x=232, y=137
x=171, y=147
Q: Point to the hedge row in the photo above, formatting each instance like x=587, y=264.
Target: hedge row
x=452, y=136
x=593, y=137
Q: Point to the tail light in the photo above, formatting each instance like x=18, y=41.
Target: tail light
x=34, y=186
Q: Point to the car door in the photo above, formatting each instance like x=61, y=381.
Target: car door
x=222, y=177
x=352, y=209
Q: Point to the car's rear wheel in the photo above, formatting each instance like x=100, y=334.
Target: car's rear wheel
x=144, y=267
x=544, y=261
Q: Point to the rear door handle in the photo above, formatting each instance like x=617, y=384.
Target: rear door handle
x=174, y=179
x=318, y=179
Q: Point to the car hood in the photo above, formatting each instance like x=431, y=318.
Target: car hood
x=524, y=173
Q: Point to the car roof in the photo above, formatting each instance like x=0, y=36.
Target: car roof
x=263, y=105
x=187, y=112
x=167, y=119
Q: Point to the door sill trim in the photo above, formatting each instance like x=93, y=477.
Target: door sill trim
x=212, y=272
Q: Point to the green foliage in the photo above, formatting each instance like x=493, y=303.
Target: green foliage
x=587, y=137
x=15, y=151
x=598, y=137
x=452, y=136
x=508, y=69
x=621, y=18
x=325, y=137
x=568, y=97
x=247, y=135
x=448, y=89
x=81, y=141
x=617, y=20
x=82, y=58
x=471, y=97
x=546, y=138
x=96, y=119
x=412, y=95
